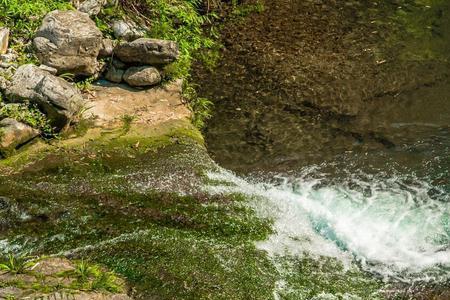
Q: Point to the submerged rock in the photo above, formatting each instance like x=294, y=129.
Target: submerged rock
x=14, y=133
x=69, y=41
x=55, y=96
x=4, y=40
x=142, y=76
x=148, y=51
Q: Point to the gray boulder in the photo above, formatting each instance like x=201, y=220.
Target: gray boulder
x=60, y=100
x=114, y=74
x=68, y=41
x=142, y=76
x=51, y=70
x=107, y=48
x=126, y=30
x=147, y=51
x=4, y=40
x=14, y=133
x=118, y=64
x=9, y=58
x=5, y=75
x=92, y=7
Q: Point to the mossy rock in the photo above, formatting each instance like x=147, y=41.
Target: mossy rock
x=57, y=278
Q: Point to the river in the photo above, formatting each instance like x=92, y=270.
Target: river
x=335, y=117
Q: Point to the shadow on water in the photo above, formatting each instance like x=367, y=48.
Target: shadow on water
x=310, y=82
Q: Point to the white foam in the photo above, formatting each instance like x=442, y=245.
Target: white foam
x=393, y=227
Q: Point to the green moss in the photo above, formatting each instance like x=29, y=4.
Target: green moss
x=137, y=139
x=114, y=202
x=169, y=263
x=28, y=114
x=307, y=277
x=89, y=199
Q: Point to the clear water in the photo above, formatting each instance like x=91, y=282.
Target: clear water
x=342, y=135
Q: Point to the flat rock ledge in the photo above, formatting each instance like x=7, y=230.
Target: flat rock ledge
x=110, y=103
x=57, y=279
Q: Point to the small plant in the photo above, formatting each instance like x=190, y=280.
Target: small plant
x=17, y=264
x=241, y=11
x=91, y=277
x=68, y=76
x=84, y=271
x=126, y=122
x=28, y=114
x=83, y=85
x=106, y=281
x=201, y=107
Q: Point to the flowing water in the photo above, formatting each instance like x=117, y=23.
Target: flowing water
x=351, y=162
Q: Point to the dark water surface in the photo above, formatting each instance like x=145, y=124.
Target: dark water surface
x=308, y=82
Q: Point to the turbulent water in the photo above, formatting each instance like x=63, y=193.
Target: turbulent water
x=393, y=228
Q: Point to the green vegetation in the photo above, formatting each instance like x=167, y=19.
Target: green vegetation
x=307, y=278
x=84, y=277
x=201, y=107
x=165, y=244
x=194, y=30
x=126, y=122
x=240, y=11
x=28, y=114
x=23, y=17
x=91, y=277
x=17, y=264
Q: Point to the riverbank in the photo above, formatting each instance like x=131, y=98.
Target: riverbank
x=122, y=184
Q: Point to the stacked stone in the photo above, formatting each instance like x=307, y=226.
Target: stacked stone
x=69, y=42
x=137, y=62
